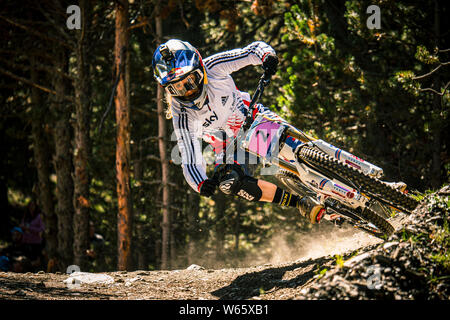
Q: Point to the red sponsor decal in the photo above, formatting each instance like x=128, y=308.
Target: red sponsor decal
x=320, y=215
x=352, y=164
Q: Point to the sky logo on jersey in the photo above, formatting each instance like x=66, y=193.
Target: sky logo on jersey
x=211, y=119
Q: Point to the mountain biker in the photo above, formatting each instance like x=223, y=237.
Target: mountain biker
x=204, y=102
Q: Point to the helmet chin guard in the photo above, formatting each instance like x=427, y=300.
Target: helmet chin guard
x=196, y=103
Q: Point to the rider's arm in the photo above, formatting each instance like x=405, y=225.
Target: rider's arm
x=227, y=62
x=192, y=161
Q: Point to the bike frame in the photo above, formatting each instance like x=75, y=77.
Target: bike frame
x=277, y=142
x=267, y=139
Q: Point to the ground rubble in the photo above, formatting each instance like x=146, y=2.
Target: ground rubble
x=402, y=267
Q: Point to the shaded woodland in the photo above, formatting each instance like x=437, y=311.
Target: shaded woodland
x=84, y=133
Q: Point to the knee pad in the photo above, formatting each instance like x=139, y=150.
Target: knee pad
x=237, y=183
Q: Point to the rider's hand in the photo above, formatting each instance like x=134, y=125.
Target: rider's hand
x=208, y=187
x=270, y=63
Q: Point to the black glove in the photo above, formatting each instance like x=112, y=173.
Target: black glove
x=270, y=64
x=208, y=187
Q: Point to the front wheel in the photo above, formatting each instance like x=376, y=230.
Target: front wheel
x=371, y=186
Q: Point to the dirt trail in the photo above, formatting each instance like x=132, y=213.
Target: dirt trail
x=280, y=281
x=272, y=280
x=331, y=263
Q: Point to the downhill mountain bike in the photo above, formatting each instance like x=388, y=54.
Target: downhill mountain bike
x=349, y=187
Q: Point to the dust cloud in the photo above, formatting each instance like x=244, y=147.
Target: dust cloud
x=288, y=246
x=322, y=241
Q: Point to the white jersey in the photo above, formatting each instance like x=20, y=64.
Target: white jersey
x=224, y=109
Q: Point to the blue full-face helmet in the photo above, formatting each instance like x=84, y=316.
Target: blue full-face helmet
x=178, y=67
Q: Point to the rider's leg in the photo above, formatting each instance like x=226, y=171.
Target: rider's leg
x=268, y=190
x=308, y=207
x=233, y=180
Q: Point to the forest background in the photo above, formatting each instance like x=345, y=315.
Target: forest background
x=84, y=133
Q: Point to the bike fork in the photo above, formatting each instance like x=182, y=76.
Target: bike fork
x=348, y=158
x=326, y=188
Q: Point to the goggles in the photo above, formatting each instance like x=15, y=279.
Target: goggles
x=187, y=87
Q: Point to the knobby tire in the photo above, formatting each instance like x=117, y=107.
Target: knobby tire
x=367, y=184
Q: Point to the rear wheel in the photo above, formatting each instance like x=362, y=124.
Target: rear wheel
x=293, y=183
x=366, y=220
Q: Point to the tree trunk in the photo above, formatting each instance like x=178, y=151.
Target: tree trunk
x=436, y=121
x=193, y=207
x=237, y=225
x=220, y=199
x=124, y=217
x=63, y=164
x=42, y=162
x=165, y=254
x=82, y=144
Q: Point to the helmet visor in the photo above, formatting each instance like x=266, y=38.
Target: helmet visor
x=166, y=71
x=189, y=87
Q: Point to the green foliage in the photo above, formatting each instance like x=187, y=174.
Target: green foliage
x=356, y=88
x=423, y=55
x=339, y=261
x=439, y=235
x=320, y=272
